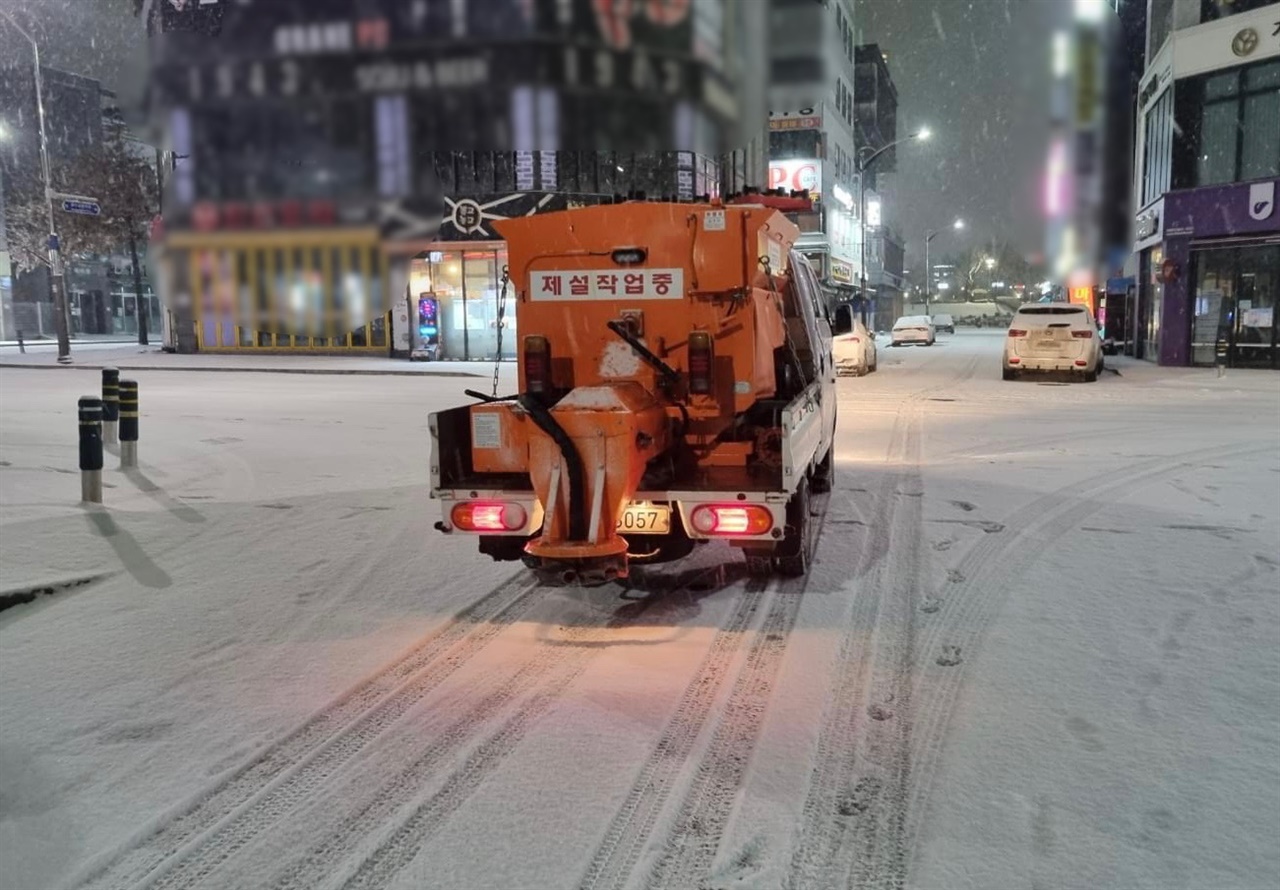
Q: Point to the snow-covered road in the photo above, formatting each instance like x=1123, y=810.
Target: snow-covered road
x=1041, y=648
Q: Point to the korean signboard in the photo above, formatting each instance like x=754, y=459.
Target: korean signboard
x=607, y=284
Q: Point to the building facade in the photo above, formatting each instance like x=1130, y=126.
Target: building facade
x=344, y=167
x=876, y=120
x=812, y=120
x=1207, y=232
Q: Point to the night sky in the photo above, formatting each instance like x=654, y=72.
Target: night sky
x=975, y=71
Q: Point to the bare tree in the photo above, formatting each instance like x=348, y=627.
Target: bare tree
x=118, y=174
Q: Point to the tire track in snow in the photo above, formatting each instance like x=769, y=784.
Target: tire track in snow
x=993, y=565
x=326, y=739
x=627, y=834
x=546, y=677
x=836, y=796
x=869, y=849
x=694, y=840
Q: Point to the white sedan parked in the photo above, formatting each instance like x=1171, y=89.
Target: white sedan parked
x=913, y=329
x=854, y=349
x=1053, y=337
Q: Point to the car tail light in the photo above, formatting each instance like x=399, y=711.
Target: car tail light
x=1083, y=335
x=1014, y=332
x=488, y=516
x=731, y=519
x=1081, y=362
x=537, y=364
x=701, y=360
x=1013, y=360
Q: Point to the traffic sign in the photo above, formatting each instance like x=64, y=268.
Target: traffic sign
x=83, y=206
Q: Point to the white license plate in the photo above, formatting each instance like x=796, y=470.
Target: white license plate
x=647, y=519
x=1046, y=344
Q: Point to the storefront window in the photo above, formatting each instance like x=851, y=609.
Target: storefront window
x=468, y=285
x=1235, y=306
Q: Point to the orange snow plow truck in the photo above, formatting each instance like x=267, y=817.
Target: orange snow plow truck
x=676, y=386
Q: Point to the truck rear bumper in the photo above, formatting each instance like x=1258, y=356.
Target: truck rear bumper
x=681, y=503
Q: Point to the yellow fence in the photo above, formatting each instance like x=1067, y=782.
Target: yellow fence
x=317, y=291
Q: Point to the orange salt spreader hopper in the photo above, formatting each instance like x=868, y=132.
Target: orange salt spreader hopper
x=644, y=331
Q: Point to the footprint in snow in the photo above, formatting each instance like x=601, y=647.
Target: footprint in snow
x=860, y=799
x=930, y=604
x=955, y=576
x=880, y=712
x=1085, y=733
x=943, y=545
x=963, y=505
x=950, y=656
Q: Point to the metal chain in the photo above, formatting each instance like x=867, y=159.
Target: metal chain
x=502, y=312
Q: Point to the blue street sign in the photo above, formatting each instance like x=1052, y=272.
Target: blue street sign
x=86, y=208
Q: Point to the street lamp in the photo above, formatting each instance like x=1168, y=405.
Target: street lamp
x=928, y=271
x=864, y=161
x=57, y=290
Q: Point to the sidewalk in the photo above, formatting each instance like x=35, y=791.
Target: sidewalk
x=132, y=357
x=7, y=346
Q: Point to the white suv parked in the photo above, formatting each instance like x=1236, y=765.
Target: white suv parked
x=1053, y=337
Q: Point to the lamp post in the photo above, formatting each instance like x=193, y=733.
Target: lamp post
x=928, y=270
x=864, y=161
x=57, y=289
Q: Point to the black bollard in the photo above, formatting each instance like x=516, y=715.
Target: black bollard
x=128, y=424
x=110, y=404
x=22, y=347
x=91, y=449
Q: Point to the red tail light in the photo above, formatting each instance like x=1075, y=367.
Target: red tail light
x=1083, y=335
x=1014, y=332
x=537, y=364
x=731, y=519
x=488, y=516
x=701, y=360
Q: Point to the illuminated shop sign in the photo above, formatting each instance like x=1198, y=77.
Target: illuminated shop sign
x=795, y=175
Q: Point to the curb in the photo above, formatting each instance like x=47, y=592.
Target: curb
x=366, y=372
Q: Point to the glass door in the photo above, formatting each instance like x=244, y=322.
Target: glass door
x=1254, y=331
x=1153, y=294
x=480, y=280
x=1212, y=309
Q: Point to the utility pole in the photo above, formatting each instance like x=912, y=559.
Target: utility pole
x=864, y=162
x=928, y=271
x=57, y=284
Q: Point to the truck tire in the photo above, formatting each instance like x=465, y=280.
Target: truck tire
x=798, y=545
x=824, y=474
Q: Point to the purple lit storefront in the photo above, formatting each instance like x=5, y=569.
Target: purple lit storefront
x=1209, y=276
